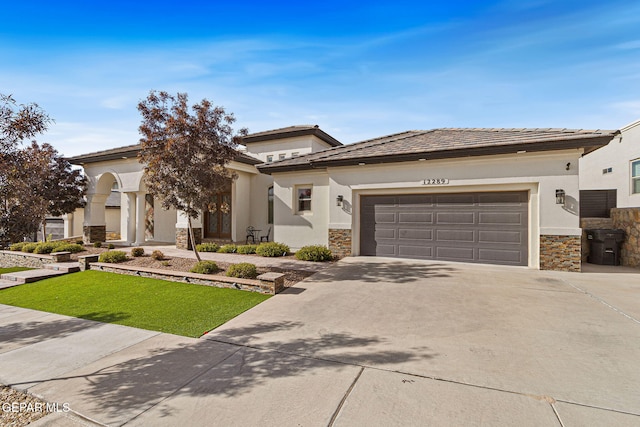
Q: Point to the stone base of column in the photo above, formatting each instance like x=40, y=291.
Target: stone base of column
x=94, y=233
x=340, y=242
x=182, y=237
x=560, y=253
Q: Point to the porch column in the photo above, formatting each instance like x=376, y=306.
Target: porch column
x=139, y=215
x=94, y=227
x=128, y=217
x=68, y=225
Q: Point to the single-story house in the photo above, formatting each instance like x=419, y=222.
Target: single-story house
x=497, y=196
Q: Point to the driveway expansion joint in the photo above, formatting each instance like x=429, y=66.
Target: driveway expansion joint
x=601, y=301
x=344, y=398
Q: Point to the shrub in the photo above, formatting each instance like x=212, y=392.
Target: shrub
x=207, y=247
x=157, y=255
x=205, y=267
x=29, y=247
x=244, y=269
x=111, y=246
x=113, y=257
x=316, y=253
x=17, y=246
x=79, y=242
x=45, y=248
x=74, y=248
x=165, y=263
x=136, y=252
x=228, y=249
x=272, y=249
x=97, y=245
x=247, y=249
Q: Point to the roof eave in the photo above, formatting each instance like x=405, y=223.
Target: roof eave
x=591, y=143
x=292, y=134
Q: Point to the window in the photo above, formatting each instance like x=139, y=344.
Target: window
x=304, y=199
x=635, y=177
x=282, y=156
x=270, y=205
x=270, y=158
x=295, y=154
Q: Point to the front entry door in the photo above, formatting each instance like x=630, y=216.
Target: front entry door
x=218, y=218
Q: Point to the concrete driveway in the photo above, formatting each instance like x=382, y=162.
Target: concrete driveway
x=368, y=341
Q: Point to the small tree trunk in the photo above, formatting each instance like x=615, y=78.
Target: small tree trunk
x=193, y=240
x=44, y=230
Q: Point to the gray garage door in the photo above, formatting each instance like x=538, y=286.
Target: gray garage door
x=486, y=228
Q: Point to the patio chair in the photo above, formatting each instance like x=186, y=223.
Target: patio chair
x=265, y=237
x=251, y=234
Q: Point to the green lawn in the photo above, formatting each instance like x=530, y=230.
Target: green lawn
x=158, y=305
x=13, y=269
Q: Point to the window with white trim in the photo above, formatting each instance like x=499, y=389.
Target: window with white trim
x=635, y=176
x=303, y=195
x=270, y=158
x=282, y=156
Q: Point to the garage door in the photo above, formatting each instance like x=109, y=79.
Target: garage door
x=489, y=228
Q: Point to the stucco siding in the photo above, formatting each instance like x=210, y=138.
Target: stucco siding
x=617, y=155
x=539, y=174
x=307, y=228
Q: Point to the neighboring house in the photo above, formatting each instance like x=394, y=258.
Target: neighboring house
x=613, y=171
x=498, y=196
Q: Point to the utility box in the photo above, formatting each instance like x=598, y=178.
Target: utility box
x=605, y=246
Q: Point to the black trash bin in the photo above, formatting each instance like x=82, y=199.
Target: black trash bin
x=605, y=246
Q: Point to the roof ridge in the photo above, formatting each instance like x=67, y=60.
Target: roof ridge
x=367, y=143
x=567, y=130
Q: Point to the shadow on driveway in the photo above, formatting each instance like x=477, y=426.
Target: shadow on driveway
x=373, y=272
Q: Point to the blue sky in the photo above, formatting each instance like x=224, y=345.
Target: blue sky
x=359, y=70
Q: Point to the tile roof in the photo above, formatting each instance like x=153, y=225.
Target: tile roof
x=445, y=143
x=131, y=151
x=290, y=132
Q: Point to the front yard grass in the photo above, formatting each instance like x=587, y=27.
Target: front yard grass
x=176, y=308
x=13, y=269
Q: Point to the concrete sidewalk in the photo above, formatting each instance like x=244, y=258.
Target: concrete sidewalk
x=366, y=342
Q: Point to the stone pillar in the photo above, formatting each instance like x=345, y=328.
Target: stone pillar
x=182, y=231
x=340, y=242
x=560, y=253
x=140, y=212
x=94, y=228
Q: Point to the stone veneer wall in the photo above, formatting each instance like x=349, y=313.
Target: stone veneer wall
x=24, y=259
x=562, y=253
x=182, y=237
x=628, y=219
x=268, y=283
x=340, y=242
x=94, y=233
x=592, y=223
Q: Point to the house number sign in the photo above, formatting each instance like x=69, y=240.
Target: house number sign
x=435, y=181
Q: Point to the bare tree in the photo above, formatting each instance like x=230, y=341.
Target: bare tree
x=185, y=151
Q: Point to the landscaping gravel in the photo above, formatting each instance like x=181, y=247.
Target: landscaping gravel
x=19, y=409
